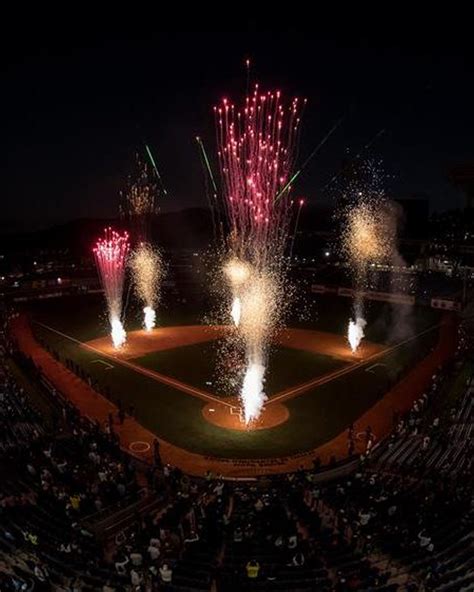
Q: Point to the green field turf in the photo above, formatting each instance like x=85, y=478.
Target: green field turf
x=198, y=366
x=315, y=417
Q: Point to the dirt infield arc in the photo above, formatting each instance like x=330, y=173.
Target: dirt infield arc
x=219, y=412
x=227, y=413
x=95, y=405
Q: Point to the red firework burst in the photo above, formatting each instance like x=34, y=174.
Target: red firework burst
x=111, y=257
x=257, y=150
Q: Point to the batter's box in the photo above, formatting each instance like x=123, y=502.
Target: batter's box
x=237, y=411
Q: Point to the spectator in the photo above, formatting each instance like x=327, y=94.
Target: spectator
x=136, y=558
x=253, y=569
x=121, y=564
x=136, y=578
x=166, y=574
x=154, y=550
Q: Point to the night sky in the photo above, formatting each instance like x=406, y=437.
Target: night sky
x=76, y=110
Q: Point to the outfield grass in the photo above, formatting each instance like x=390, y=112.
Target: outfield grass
x=315, y=417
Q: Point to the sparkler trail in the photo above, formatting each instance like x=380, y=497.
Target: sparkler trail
x=111, y=255
x=207, y=163
x=298, y=214
x=311, y=156
x=211, y=197
x=155, y=168
x=257, y=150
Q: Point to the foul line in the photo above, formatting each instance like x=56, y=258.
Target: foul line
x=298, y=390
x=282, y=396
x=181, y=386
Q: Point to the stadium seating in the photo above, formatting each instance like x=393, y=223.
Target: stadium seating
x=78, y=514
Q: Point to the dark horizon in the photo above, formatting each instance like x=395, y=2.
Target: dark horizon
x=77, y=112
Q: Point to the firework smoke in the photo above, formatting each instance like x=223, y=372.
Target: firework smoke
x=257, y=148
x=147, y=272
x=402, y=319
x=111, y=254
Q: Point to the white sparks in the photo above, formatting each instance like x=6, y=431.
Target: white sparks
x=355, y=333
x=237, y=272
x=236, y=310
x=147, y=272
x=118, y=333
x=253, y=397
x=149, y=318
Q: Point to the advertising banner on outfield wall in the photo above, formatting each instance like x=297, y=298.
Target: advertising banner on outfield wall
x=382, y=296
x=388, y=297
x=445, y=304
x=350, y=293
x=321, y=289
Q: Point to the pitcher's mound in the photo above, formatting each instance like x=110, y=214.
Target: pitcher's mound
x=231, y=418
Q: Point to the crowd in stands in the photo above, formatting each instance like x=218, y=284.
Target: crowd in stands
x=404, y=520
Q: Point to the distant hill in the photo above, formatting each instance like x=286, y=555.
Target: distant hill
x=189, y=228
x=186, y=229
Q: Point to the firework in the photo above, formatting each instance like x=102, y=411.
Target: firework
x=147, y=271
x=117, y=332
x=236, y=310
x=139, y=201
x=257, y=149
x=369, y=238
x=355, y=332
x=149, y=318
x=258, y=313
x=237, y=274
x=111, y=254
x=259, y=309
x=252, y=391
x=367, y=235
x=363, y=243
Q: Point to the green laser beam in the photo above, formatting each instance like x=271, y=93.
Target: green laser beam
x=152, y=160
x=208, y=164
x=313, y=153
